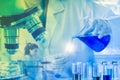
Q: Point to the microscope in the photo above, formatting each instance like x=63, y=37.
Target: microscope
x=33, y=19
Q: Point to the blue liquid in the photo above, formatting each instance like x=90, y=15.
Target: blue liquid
x=106, y=77
x=110, y=72
x=57, y=75
x=95, y=43
x=76, y=77
x=96, y=78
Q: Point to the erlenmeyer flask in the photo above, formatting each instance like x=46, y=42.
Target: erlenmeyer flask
x=93, y=41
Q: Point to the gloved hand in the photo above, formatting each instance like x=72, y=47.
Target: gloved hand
x=98, y=27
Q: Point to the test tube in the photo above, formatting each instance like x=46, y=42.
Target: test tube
x=96, y=74
x=107, y=71
x=79, y=70
x=115, y=70
x=89, y=71
x=74, y=71
x=84, y=71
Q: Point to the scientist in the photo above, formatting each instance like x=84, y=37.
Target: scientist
x=32, y=58
x=31, y=52
x=65, y=19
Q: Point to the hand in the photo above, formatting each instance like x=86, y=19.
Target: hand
x=59, y=65
x=98, y=27
x=60, y=60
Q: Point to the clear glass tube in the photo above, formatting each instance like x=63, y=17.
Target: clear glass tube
x=107, y=71
x=74, y=71
x=89, y=71
x=79, y=70
x=96, y=73
x=115, y=70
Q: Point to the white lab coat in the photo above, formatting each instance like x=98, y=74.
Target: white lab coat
x=65, y=18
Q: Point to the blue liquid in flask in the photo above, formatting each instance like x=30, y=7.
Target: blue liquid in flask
x=95, y=43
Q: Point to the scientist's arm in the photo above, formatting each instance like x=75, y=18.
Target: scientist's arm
x=98, y=27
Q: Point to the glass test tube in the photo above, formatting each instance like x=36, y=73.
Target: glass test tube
x=74, y=71
x=115, y=70
x=79, y=70
x=96, y=73
x=106, y=71
x=89, y=71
